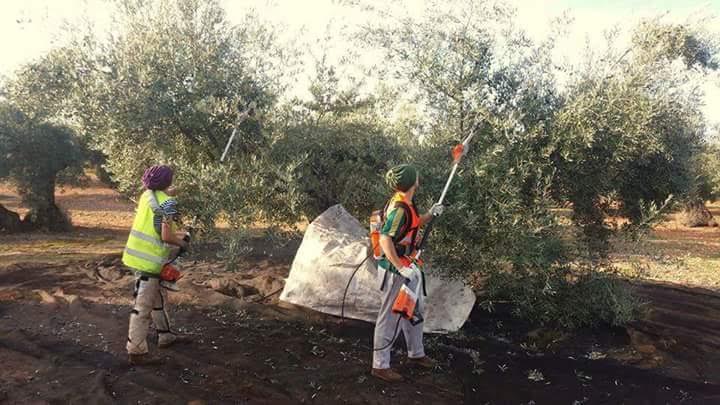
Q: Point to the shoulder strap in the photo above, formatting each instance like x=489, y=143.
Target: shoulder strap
x=402, y=232
x=384, y=211
x=410, y=212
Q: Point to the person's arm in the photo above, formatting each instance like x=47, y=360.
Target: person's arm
x=393, y=223
x=168, y=233
x=435, y=211
x=168, y=236
x=388, y=247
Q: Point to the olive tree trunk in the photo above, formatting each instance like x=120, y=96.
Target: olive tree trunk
x=696, y=214
x=9, y=221
x=44, y=213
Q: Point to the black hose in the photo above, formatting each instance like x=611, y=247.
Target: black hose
x=395, y=336
x=264, y=297
x=342, y=307
x=426, y=233
x=428, y=228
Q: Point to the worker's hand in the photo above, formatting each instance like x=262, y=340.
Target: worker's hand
x=409, y=272
x=436, y=210
x=182, y=240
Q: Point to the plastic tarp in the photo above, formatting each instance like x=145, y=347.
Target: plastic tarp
x=335, y=243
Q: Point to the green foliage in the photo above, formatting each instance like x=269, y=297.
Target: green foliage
x=331, y=149
x=667, y=42
x=172, y=81
x=331, y=162
x=569, y=297
x=498, y=210
x=607, y=138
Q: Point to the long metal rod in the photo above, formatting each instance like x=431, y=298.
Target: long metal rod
x=447, y=183
x=227, y=147
x=241, y=117
x=429, y=225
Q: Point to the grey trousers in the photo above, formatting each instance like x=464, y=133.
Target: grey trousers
x=149, y=304
x=387, y=321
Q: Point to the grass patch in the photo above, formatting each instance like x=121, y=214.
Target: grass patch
x=674, y=253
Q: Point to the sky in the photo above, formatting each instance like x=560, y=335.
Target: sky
x=30, y=28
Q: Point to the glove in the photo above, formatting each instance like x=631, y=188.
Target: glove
x=437, y=209
x=409, y=272
x=184, y=249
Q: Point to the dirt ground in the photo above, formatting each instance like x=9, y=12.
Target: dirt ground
x=65, y=302
x=675, y=253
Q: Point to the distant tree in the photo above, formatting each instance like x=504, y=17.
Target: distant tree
x=661, y=44
x=630, y=129
x=705, y=186
x=36, y=156
x=666, y=42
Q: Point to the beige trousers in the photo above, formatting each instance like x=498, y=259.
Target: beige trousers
x=149, y=305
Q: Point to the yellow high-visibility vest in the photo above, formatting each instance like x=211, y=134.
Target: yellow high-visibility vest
x=145, y=251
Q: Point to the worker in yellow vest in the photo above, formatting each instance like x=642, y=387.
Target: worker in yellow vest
x=151, y=239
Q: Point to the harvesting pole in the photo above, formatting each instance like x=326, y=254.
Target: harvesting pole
x=242, y=115
x=458, y=152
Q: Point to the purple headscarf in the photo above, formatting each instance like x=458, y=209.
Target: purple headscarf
x=157, y=178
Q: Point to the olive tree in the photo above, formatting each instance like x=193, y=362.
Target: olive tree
x=470, y=69
x=698, y=51
x=36, y=155
x=333, y=148
x=165, y=86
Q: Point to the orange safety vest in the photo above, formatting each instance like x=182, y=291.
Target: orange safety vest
x=406, y=239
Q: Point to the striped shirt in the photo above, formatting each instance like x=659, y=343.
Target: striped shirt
x=394, y=221
x=170, y=212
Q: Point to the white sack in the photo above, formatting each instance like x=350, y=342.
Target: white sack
x=333, y=246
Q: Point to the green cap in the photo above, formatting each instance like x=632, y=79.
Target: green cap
x=401, y=177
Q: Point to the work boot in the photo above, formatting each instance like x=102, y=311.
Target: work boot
x=424, y=362
x=169, y=339
x=387, y=374
x=143, y=359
